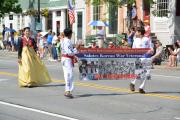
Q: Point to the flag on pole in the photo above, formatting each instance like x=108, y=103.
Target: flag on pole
x=71, y=12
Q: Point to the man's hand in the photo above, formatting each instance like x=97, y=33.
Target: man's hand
x=77, y=47
x=19, y=61
x=150, y=51
x=169, y=49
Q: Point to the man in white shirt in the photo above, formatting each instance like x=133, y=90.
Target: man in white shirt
x=157, y=57
x=54, y=43
x=68, y=55
x=141, y=42
x=178, y=56
x=100, y=36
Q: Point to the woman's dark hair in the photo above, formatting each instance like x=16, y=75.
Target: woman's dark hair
x=26, y=28
x=58, y=33
x=176, y=44
x=140, y=29
x=132, y=28
x=67, y=32
x=124, y=39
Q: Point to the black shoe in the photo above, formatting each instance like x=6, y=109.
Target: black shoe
x=141, y=91
x=132, y=87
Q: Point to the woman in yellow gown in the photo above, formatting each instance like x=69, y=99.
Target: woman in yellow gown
x=32, y=71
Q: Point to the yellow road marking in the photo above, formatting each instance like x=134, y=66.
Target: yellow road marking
x=108, y=88
x=8, y=74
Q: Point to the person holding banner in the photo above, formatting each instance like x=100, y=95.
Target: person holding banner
x=67, y=60
x=141, y=42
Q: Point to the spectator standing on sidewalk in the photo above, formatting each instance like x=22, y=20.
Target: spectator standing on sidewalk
x=58, y=46
x=100, y=36
x=3, y=36
x=4, y=30
x=134, y=15
x=54, y=44
x=49, y=43
x=147, y=28
x=131, y=36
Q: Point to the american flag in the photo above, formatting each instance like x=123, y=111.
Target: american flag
x=71, y=12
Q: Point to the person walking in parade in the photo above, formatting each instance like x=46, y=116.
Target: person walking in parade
x=32, y=71
x=68, y=55
x=141, y=42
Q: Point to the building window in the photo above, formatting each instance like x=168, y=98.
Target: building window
x=10, y=17
x=18, y=21
x=177, y=7
x=79, y=24
x=113, y=19
x=49, y=21
x=58, y=13
x=96, y=12
x=23, y=22
x=162, y=8
x=146, y=8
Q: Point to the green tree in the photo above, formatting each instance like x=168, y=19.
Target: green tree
x=7, y=6
x=115, y=2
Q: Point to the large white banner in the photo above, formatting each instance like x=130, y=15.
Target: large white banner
x=107, y=65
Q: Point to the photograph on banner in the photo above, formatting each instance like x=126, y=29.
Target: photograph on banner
x=88, y=68
x=143, y=66
x=116, y=69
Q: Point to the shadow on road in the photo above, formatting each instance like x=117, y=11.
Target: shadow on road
x=164, y=92
x=112, y=94
x=52, y=85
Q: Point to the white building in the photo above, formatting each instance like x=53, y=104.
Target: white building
x=167, y=25
x=57, y=20
x=80, y=20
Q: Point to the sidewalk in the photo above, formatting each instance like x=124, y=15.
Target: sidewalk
x=8, y=53
x=164, y=66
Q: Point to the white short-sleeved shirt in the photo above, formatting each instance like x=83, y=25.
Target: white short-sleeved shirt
x=178, y=55
x=54, y=39
x=101, y=34
x=67, y=47
x=144, y=42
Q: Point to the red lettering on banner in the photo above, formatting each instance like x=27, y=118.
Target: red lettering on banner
x=115, y=76
x=115, y=50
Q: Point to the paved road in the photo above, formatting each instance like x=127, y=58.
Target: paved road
x=94, y=100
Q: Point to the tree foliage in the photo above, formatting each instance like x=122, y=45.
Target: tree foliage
x=7, y=6
x=115, y=2
x=34, y=12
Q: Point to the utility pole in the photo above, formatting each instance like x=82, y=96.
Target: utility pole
x=39, y=11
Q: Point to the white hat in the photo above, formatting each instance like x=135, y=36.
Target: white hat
x=43, y=33
x=110, y=42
